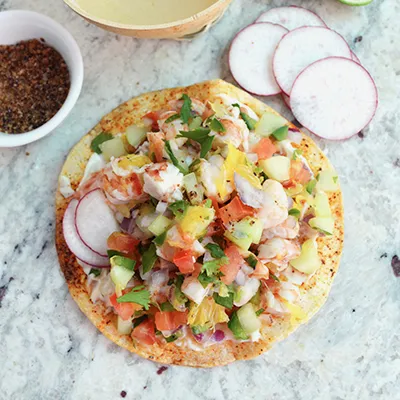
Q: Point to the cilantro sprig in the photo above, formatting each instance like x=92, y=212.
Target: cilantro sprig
x=137, y=295
x=98, y=140
x=215, y=250
x=201, y=136
x=186, y=110
x=149, y=258
x=173, y=158
x=250, y=122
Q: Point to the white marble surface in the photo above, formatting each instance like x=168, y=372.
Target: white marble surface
x=48, y=350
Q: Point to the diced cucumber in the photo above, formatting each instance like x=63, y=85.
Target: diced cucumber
x=268, y=123
x=308, y=261
x=328, y=181
x=120, y=276
x=135, y=135
x=145, y=217
x=277, y=168
x=323, y=224
x=194, y=190
x=113, y=148
x=253, y=227
x=248, y=318
x=124, y=327
x=321, y=205
x=245, y=293
x=240, y=239
x=195, y=123
x=159, y=225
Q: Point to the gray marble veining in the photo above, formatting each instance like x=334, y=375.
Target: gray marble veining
x=49, y=350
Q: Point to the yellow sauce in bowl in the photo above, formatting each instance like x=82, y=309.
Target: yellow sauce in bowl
x=143, y=12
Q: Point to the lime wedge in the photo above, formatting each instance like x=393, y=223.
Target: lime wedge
x=356, y=2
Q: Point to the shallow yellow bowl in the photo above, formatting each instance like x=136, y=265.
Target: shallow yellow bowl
x=135, y=17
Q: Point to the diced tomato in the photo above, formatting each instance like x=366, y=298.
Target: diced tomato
x=215, y=228
x=123, y=243
x=145, y=332
x=264, y=149
x=299, y=173
x=215, y=204
x=184, y=260
x=170, y=320
x=153, y=117
x=124, y=310
x=231, y=269
x=197, y=269
x=235, y=211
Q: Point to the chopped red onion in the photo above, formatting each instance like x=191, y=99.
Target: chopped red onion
x=218, y=335
x=199, y=337
x=125, y=224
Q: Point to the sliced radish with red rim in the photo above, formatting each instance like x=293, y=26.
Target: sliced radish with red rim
x=355, y=58
x=302, y=47
x=74, y=242
x=334, y=98
x=95, y=221
x=250, y=58
x=291, y=17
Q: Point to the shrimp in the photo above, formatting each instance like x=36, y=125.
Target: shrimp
x=236, y=133
x=278, y=252
x=171, y=129
x=197, y=106
x=289, y=229
x=275, y=208
x=122, y=189
x=156, y=145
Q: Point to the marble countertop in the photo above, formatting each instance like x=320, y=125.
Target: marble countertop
x=49, y=350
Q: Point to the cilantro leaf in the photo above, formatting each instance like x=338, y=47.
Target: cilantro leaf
x=174, y=160
x=96, y=272
x=137, y=295
x=201, y=136
x=281, y=133
x=205, y=280
x=179, y=208
x=259, y=312
x=160, y=239
x=215, y=250
x=149, y=258
x=252, y=261
x=294, y=212
x=186, y=110
x=167, y=306
x=211, y=267
x=250, y=122
x=226, y=302
x=172, y=118
x=296, y=154
x=274, y=277
x=217, y=126
x=123, y=262
x=180, y=298
x=98, y=140
x=236, y=327
x=112, y=253
x=311, y=185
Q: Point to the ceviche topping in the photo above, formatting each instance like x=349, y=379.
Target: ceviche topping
x=218, y=215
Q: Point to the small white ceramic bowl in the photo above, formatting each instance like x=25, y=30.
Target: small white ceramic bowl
x=17, y=25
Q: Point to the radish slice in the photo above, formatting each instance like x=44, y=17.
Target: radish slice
x=303, y=46
x=250, y=58
x=95, y=221
x=335, y=98
x=355, y=58
x=291, y=17
x=286, y=99
x=75, y=243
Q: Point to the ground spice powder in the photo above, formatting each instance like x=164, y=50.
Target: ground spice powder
x=34, y=83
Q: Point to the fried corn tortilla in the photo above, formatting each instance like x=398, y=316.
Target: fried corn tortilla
x=313, y=293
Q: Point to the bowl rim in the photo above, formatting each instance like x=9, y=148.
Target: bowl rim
x=20, y=139
x=72, y=4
